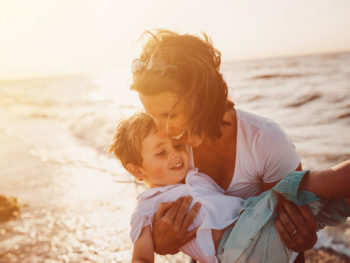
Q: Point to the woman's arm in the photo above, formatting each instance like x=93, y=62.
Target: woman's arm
x=296, y=225
x=143, y=248
x=170, y=225
x=329, y=184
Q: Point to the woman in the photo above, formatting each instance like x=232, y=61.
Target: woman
x=180, y=86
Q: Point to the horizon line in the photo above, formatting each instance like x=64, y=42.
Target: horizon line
x=95, y=71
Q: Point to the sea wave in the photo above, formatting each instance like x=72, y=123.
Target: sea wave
x=344, y=115
x=301, y=100
x=278, y=75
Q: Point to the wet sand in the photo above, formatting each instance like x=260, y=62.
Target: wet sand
x=325, y=256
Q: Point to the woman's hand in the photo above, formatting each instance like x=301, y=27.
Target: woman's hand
x=296, y=225
x=170, y=225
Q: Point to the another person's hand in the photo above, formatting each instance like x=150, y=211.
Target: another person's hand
x=296, y=225
x=170, y=225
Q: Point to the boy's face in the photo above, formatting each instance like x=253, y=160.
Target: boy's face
x=163, y=163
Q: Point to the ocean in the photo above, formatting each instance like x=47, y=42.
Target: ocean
x=76, y=199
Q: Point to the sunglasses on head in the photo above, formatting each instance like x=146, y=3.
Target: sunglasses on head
x=155, y=66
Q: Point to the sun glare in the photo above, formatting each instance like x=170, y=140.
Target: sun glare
x=64, y=37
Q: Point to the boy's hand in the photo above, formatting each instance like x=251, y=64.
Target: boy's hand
x=296, y=225
x=170, y=225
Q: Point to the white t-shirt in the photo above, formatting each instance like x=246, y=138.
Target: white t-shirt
x=217, y=212
x=264, y=153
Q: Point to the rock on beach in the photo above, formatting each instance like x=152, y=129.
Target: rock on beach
x=8, y=208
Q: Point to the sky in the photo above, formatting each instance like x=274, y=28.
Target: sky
x=53, y=37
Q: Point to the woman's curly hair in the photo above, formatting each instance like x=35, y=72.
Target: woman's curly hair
x=197, y=79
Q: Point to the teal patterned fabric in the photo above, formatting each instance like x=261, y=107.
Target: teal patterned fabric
x=254, y=237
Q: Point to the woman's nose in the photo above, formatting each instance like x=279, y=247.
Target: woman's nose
x=162, y=130
x=175, y=153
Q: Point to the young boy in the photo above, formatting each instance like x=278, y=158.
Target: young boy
x=249, y=237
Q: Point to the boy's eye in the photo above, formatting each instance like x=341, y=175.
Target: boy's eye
x=160, y=153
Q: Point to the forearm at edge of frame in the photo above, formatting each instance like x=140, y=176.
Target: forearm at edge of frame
x=330, y=184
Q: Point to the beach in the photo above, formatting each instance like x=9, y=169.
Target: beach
x=75, y=199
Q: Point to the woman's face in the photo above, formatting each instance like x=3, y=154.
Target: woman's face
x=167, y=110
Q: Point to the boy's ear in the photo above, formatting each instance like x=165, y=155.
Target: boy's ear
x=135, y=170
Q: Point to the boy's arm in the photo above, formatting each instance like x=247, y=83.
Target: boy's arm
x=143, y=248
x=329, y=184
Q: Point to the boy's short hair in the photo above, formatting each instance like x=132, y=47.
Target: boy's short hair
x=128, y=136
